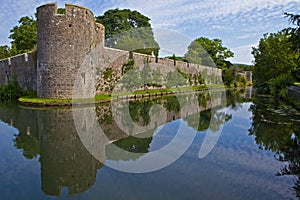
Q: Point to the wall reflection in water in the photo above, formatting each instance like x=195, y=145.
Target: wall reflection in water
x=65, y=162
x=51, y=134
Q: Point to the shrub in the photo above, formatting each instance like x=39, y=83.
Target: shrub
x=11, y=91
x=278, y=86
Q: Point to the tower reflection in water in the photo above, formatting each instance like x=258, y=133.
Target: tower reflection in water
x=51, y=135
x=65, y=162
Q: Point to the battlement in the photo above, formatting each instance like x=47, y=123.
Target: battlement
x=51, y=10
x=64, y=42
x=20, y=67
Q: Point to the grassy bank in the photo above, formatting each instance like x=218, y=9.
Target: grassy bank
x=32, y=99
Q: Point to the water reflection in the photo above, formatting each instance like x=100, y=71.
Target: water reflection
x=51, y=134
x=276, y=127
x=65, y=162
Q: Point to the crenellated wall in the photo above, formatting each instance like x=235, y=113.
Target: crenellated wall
x=22, y=68
x=64, y=40
x=71, y=50
x=189, y=68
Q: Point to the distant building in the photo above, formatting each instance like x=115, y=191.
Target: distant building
x=247, y=75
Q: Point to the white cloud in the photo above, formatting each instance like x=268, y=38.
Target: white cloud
x=236, y=22
x=179, y=11
x=243, y=54
x=171, y=42
x=246, y=36
x=12, y=10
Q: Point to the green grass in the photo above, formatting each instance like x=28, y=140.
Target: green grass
x=103, y=97
x=297, y=84
x=32, y=98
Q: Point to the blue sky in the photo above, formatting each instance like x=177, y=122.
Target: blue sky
x=239, y=23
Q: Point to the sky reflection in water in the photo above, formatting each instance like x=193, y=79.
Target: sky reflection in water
x=259, y=143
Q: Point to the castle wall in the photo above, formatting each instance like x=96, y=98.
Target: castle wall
x=70, y=51
x=166, y=65
x=115, y=59
x=22, y=67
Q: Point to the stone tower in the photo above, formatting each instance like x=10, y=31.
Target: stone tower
x=64, y=40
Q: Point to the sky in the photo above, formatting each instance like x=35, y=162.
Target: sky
x=238, y=23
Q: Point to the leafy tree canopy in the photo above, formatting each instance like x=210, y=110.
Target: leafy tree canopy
x=208, y=52
x=5, y=51
x=295, y=40
x=244, y=67
x=277, y=59
x=128, y=30
x=179, y=58
x=295, y=32
x=136, y=32
x=274, y=58
x=24, y=36
x=117, y=21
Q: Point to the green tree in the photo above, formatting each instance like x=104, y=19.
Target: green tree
x=295, y=40
x=5, y=51
x=24, y=36
x=208, y=52
x=128, y=30
x=295, y=31
x=230, y=76
x=61, y=11
x=177, y=58
x=274, y=58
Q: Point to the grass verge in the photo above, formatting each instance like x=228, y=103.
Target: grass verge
x=33, y=99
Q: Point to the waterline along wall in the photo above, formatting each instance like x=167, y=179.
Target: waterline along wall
x=65, y=42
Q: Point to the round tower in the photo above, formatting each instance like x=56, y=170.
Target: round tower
x=64, y=40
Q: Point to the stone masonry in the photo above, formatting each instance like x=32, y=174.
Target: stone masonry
x=22, y=68
x=65, y=42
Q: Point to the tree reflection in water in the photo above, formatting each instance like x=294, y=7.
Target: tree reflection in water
x=276, y=127
x=64, y=160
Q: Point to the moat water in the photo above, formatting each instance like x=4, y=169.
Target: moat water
x=257, y=155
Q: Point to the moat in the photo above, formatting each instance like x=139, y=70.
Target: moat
x=257, y=155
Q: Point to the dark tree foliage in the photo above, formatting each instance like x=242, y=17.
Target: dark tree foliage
x=118, y=21
x=61, y=11
x=208, y=52
x=274, y=63
x=295, y=32
x=277, y=59
x=5, y=51
x=295, y=40
x=128, y=30
x=24, y=36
